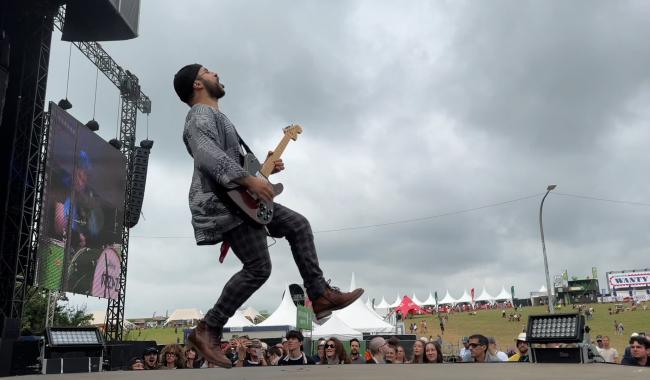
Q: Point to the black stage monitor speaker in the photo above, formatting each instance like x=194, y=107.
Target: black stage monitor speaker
x=101, y=20
x=138, y=182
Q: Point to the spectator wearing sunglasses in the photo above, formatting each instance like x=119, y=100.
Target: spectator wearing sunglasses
x=171, y=357
x=479, y=347
x=335, y=353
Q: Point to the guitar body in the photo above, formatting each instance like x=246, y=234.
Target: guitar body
x=258, y=210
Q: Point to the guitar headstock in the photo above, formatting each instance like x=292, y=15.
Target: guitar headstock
x=293, y=131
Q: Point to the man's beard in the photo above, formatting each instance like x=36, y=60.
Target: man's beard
x=215, y=90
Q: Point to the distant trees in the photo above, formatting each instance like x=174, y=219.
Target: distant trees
x=35, y=312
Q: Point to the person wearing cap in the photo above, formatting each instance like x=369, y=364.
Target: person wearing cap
x=465, y=353
x=216, y=148
x=495, y=351
x=609, y=354
x=522, y=349
x=294, y=355
x=136, y=364
x=150, y=356
x=319, y=356
x=599, y=341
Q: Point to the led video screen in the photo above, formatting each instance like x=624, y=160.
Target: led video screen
x=82, y=215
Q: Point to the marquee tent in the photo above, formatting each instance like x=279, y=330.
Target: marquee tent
x=398, y=301
x=99, y=320
x=484, y=297
x=465, y=298
x=409, y=307
x=416, y=300
x=238, y=320
x=359, y=317
x=430, y=301
x=383, y=304
x=503, y=295
x=285, y=314
x=335, y=327
x=369, y=304
x=447, y=300
x=185, y=316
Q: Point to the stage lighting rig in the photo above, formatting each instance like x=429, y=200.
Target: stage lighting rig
x=93, y=125
x=72, y=350
x=559, y=338
x=65, y=104
x=117, y=144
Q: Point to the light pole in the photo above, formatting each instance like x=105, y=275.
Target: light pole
x=549, y=290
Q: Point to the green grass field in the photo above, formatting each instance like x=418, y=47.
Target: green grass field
x=489, y=323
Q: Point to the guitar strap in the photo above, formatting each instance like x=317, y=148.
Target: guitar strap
x=242, y=143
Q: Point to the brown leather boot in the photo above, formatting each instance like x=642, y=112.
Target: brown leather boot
x=206, y=340
x=333, y=299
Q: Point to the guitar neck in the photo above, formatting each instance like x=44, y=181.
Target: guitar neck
x=268, y=165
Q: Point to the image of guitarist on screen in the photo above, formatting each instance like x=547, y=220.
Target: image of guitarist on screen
x=218, y=153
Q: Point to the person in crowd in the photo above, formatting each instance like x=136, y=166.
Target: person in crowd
x=522, y=349
x=335, y=353
x=274, y=355
x=418, y=352
x=465, y=353
x=355, y=352
x=609, y=354
x=285, y=346
x=150, y=356
x=136, y=364
x=400, y=354
x=294, y=355
x=494, y=350
x=599, y=342
x=191, y=358
x=432, y=353
x=377, y=348
x=171, y=357
x=250, y=354
x=389, y=354
x=479, y=346
x=639, y=351
x=232, y=350
x=319, y=357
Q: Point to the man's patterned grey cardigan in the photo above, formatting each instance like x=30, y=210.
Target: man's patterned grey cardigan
x=211, y=139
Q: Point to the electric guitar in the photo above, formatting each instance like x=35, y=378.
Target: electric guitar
x=257, y=209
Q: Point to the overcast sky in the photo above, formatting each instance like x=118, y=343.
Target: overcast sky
x=412, y=111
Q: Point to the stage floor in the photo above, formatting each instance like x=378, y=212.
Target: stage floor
x=460, y=371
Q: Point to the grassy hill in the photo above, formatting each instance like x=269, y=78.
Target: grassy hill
x=486, y=322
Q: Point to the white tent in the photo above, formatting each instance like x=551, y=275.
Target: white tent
x=335, y=327
x=360, y=318
x=447, y=299
x=397, y=302
x=369, y=304
x=185, y=315
x=416, y=300
x=238, y=320
x=285, y=314
x=383, y=304
x=484, y=297
x=251, y=313
x=503, y=295
x=543, y=289
x=465, y=298
x=430, y=301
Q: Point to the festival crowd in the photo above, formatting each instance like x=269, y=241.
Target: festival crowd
x=245, y=352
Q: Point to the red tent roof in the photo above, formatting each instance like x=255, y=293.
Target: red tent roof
x=408, y=306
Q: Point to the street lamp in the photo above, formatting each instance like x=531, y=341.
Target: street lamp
x=549, y=292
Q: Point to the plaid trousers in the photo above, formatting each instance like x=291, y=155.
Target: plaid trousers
x=249, y=244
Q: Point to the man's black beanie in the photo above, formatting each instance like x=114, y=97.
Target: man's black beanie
x=184, y=81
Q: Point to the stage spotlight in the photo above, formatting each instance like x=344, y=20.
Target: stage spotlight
x=115, y=143
x=93, y=125
x=146, y=144
x=72, y=350
x=65, y=104
x=555, y=328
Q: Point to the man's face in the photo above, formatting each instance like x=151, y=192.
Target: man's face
x=637, y=350
x=354, y=347
x=293, y=344
x=605, y=342
x=210, y=81
x=466, y=344
x=522, y=347
x=477, y=350
x=151, y=358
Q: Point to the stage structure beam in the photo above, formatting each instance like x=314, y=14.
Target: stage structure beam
x=133, y=99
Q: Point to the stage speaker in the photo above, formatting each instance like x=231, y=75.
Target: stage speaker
x=137, y=182
x=101, y=20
